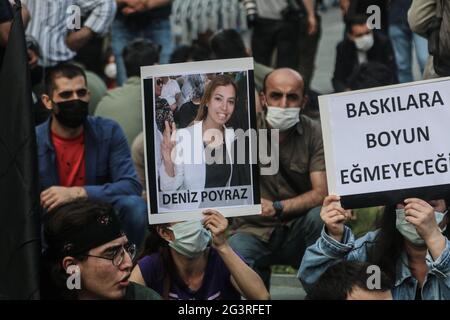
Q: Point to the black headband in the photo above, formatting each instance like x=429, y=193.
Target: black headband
x=101, y=229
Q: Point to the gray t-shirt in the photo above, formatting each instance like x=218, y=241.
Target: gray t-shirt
x=271, y=9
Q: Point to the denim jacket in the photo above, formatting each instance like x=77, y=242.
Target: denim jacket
x=327, y=251
x=110, y=172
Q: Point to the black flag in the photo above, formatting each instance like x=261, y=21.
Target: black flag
x=19, y=198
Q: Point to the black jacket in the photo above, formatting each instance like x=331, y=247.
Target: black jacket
x=347, y=59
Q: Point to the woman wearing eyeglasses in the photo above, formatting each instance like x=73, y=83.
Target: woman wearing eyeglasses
x=178, y=263
x=88, y=256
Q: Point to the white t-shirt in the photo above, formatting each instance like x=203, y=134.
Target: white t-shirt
x=170, y=90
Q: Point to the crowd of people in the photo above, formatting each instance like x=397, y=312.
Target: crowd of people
x=89, y=130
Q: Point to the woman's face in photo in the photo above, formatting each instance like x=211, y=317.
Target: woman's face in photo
x=221, y=104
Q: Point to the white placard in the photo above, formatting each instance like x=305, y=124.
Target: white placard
x=386, y=139
x=185, y=195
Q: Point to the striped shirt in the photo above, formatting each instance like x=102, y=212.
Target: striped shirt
x=51, y=20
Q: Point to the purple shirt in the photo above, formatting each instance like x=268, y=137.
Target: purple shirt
x=216, y=281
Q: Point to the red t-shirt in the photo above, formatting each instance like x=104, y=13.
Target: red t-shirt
x=70, y=160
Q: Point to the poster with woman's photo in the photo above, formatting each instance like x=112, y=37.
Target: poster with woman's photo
x=200, y=139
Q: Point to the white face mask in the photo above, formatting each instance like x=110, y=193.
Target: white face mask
x=191, y=238
x=111, y=70
x=282, y=118
x=365, y=42
x=409, y=232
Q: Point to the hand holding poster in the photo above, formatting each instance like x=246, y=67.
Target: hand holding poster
x=199, y=152
x=385, y=144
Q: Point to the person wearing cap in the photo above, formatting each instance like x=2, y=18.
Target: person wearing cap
x=88, y=256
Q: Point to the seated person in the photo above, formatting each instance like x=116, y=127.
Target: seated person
x=291, y=195
x=371, y=75
x=85, y=157
x=360, y=45
x=348, y=280
x=409, y=247
x=88, y=255
x=178, y=264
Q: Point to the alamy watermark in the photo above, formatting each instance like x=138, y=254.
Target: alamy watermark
x=250, y=147
x=74, y=280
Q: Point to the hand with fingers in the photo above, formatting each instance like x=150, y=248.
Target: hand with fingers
x=312, y=25
x=167, y=145
x=267, y=208
x=334, y=216
x=133, y=6
x=217, y=224
x=421, y=215
x=55, y=196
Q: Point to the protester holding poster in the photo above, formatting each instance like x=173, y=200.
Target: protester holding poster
x=178, y=264
x=409, y=247
x=291, y=194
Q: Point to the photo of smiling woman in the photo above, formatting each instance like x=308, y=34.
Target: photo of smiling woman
x=205, y=150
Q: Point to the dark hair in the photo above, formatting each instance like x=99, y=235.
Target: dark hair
x=355, y=19
x=227, y=44
x=371, y=75
x=154, y=243
x=139, y=53
x=181, y=54
x=57, y=225
x=200, y=52
x=218, y=81
x=63, y=70
x=184, y=53
x=342, y=278
x=388, y=245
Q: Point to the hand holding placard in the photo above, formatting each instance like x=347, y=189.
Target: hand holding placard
x=334, y=216
x=217, y=224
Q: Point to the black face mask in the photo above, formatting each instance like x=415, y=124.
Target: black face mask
x=72, y=114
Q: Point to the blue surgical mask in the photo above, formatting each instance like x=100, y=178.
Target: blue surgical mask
x=191, y=238
x=409, y=232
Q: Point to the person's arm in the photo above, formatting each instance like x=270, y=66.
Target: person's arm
x=101, y=16
x=336, y=243
x=420, y=15
x=134, y=6
x=6, y=16
x=340, y=73
x=301, y=204
x=344, y=5
x=26, y=17
x=121, y=171
x=5, y=27
x=243, y=278
x=310, y=199
x=77, y=40
x=56, y=196
x=137, y=153
x=171, y=175
x=421, y=214
x=312, y=21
